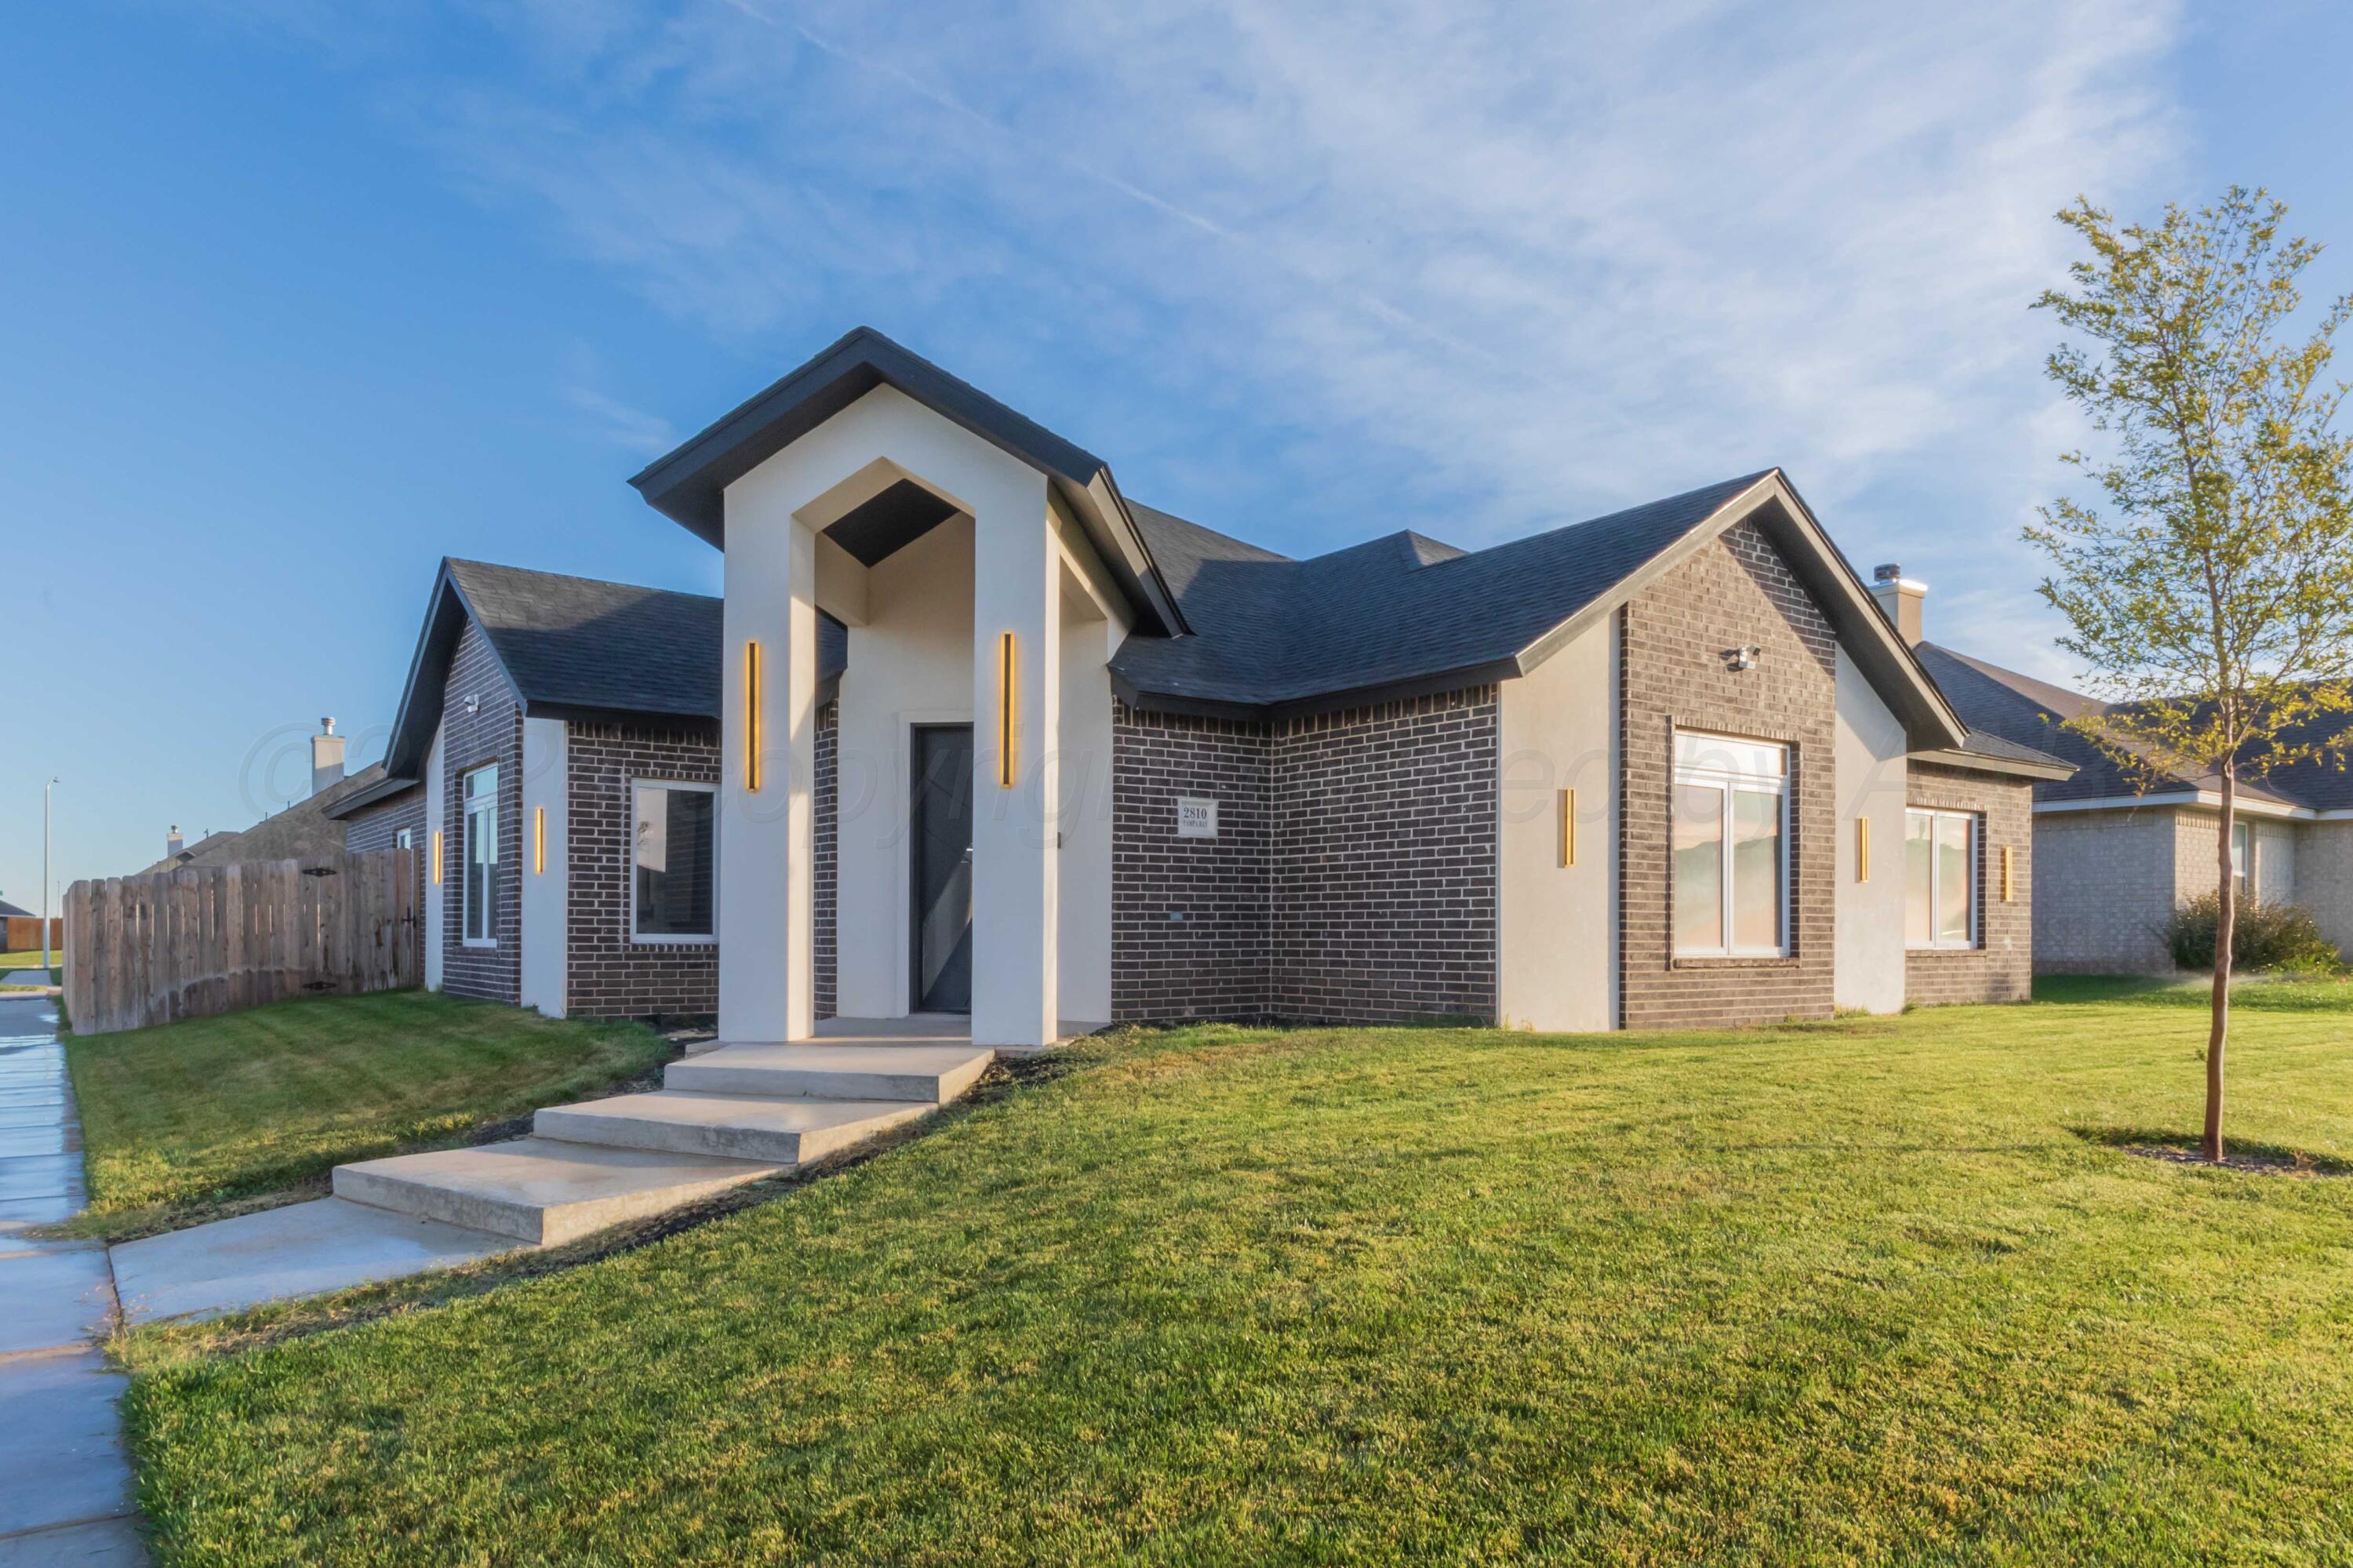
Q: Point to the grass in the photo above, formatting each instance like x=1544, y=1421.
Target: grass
x=1873, y=1291
x=190, y=1121
x=10, y=963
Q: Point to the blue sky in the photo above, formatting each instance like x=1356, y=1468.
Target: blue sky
x=297, y=298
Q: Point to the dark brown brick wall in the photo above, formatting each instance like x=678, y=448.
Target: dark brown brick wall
x=608, y=975
x=1384, y=861
x=493, y=732
x=378, y=826
x=1190, y=918
x=1737, y=592
x=2001, y=967
x=1353, y=877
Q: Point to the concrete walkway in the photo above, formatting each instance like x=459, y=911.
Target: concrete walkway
x=725, y=1116
x=65, y=1479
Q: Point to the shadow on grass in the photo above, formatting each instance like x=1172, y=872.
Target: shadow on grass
x=2258, y=993
x=2181, y=1148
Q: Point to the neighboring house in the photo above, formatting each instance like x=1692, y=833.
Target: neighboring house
x=2118, y=850
x=1086, y=762
x=304, y=828
x=556, y=751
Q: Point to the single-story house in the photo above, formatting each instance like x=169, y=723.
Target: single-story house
x=2119, y=849
x=971, y=732
x=304, y=827
x=1587, y=778
x=555, y=755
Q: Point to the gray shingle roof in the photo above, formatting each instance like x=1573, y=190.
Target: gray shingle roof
x=576, y=644
x=573, y=648
x=2021, y=709
x=1394, y=610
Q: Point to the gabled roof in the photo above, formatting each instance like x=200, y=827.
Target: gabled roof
x=689, y=484
x=10, y=911
x=306, y=827
x=2022, y=709
x=1404, y=615
x=572, y=648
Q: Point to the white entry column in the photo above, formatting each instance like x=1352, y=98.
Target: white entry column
x=768, y=748
x=1016, y=590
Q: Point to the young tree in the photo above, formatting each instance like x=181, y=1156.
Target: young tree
x=2210, y=592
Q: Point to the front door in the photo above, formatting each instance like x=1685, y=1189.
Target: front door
x=941, y=804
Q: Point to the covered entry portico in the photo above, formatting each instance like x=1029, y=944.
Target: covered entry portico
x=985, y=570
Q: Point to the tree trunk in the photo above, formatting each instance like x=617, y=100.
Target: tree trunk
x=2225, y=930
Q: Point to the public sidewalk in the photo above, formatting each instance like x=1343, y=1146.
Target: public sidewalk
x=65, y=1479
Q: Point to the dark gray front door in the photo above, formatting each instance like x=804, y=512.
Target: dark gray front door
x=941, y=862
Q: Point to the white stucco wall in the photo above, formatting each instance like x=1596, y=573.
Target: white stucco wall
x=1868, y=955
x=1558, y=966
x=911, y=663
x=1089, y=638
x=1002, y=567
x=545, y=901
x=436, y=905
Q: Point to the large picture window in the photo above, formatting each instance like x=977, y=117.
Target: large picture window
x=1940, y=879
x=672, y=862
x=1730, y=837
x=481, y=893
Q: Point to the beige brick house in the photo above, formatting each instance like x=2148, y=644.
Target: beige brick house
x=2116, y=852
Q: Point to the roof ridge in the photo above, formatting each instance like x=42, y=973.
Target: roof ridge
x=576, y=577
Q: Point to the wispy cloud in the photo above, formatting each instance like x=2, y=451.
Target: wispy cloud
x=1317, y=271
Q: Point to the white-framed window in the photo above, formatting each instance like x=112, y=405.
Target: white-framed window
x=673, y=861
x=404, y=838
x=481, y=890
x=1731, y=837
x=2243, y=860
x=1940, y=878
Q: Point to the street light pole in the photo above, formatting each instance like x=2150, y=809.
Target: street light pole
x=52, y=784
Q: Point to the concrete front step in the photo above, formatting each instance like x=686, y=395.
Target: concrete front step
x=734, y=1127
x=932, y=1074
x=540, y=1191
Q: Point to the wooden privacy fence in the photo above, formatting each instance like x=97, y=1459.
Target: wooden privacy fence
x=22, y=933
x=198, y=940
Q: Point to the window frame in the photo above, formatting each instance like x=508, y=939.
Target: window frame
x=1975, y=821
x=404, y=838
x=1730, y=783
x=670, y=939
x=469, y=807
x=2243, y=865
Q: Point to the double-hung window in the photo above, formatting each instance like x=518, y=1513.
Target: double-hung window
x=2243, y=859
x=1940, y=879
x=1730, y=846
x=480, y=925
x=672, y=862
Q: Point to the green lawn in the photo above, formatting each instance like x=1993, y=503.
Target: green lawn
x=12, y=962
x=186, y=1121
x=1876, y=1291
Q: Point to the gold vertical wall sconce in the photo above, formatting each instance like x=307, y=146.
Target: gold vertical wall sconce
x=1005, y=710
x=752, y=716
x=538, y=840
x=2005, y=874
x=1862, y=849
x=1568, y=827
x=437, y=857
